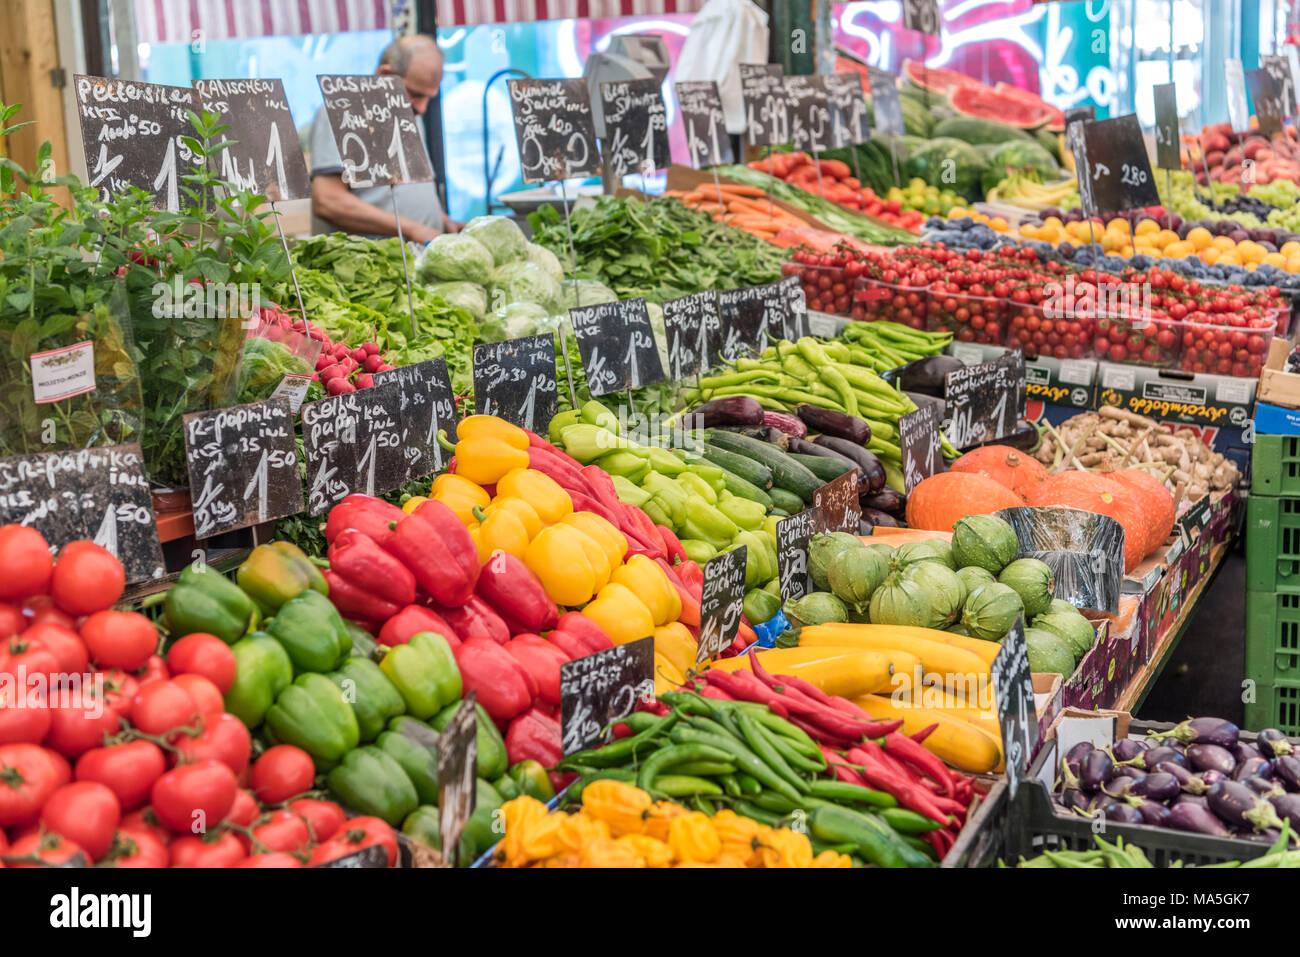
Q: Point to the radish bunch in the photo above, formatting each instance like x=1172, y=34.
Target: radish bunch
x=339, y=368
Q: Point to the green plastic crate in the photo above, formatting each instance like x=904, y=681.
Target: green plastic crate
x=1272, y=637
x=1275, y=706
x=1273, y=544
x=1275, y=465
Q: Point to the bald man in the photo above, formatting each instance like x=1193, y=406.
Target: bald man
x=369, y=211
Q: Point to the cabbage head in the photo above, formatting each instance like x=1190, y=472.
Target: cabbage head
x=546, y=259
x=512, y=321
x=455, y=257
x=590, y=291
x=524, y=281
x=463, y=295
x=500, y=235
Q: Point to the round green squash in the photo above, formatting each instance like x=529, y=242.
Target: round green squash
x=816, y=608
x=901, y=601
x=942, y=551
x=856, y=573
x=1032, y=580
x=984, y=541
x=947, y=593
x=822, y=552
x=991, y=610
x=1060, y=606
x=972, y=576
x=1076, y=630
x=1048, y=653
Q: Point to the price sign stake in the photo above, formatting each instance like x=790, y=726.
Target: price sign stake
x=457, y=765
x=1013, y=689
x=636, y=127
x=617, y=344
x=919, y=437
x=428, y=406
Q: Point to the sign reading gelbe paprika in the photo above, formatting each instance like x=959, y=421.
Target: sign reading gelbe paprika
x=599, y=689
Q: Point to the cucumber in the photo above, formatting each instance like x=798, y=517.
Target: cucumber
x=826, y=469
x=786, y=472
x=779, y=513
x=785, y=499
x=734, y=483
x=753, y=472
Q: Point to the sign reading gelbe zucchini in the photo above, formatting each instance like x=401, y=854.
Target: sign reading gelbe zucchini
x=375, y=131
x=353, y=443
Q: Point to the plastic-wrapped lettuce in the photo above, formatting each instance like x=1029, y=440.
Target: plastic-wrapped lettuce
x=455, y=257
x=515, y=320
x=524, y=281
x=546, y=259
x=503, y=239
x=465, y=295
x=586, y=292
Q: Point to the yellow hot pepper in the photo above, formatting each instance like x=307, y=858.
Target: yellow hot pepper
x=559, y=560
x=621, y=614
x=610, y=538
x=521, y=817
x=649, y=582
x=414, y=502
x=459, y=494
x=832, y=859
x=785, y=848
x=655, y=853
x=579, y=830
x=606, y=853
x=621, y=806
x=491, y=427
x=659, y=818
x=667, y=676
x=522, y=511
x=692, y=838
x=484, y=460
x=539, y=490
x=502, y=529
x=677, y=645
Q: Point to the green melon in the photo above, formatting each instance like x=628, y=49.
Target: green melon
x=855, y=574
x=1032, y=580
x=977, y=131
x=1048, y=653
x=984, y=541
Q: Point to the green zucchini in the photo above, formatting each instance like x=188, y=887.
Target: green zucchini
x=786, y=472
x=826, y=469
x=751, y=471
x=783, y=498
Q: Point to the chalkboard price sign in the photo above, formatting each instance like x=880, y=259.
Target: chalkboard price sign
x=922, y=16
x=1267, y=97
x=705, y=123
x=617, y=344
x=767, y=113
x=353, y=443
x=554, y=129
x=600, y=688
x=1167, y=143
x=792, y=536
x=457, y=766
x=636, y=127
x=243, y=466
x=885, y=104
x=810, y=112
x=848, y=110
x=794, y=315
x=837, y=504
x=919, y=437
x=1116, y=171
x=985, y=401
x=515, y=379
x=722, y=602
x=428, y=405
x=132, y=135
x=375, y=130
x=265, y=154
x=1013, y=690
x=748, y=314
x=98, y=494
x=686, y=320
x=1279, y=68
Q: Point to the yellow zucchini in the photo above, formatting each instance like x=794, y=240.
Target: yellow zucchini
x=988, y=650
x=963, y=744
x=957, y=668
x=847, y=672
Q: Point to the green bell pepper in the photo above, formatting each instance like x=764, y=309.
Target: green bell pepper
x=706, y=523
x=481, y=828
x=312, y=714
x=262, y=671
x=695, y=485
x=532, y=779
x=595, y=412
x=417, y=730
x=372, y=696
x=760, y=563
x=422, y=826
x=624, y=464
x=627, y=492
x=313, y=633
x=204, y=600
x=363, y=642
x=370, y=781
x=506, y=787
x=424, y=671
x=746, y=514
x=492, y=761
x=276, y=572
x=419, y=762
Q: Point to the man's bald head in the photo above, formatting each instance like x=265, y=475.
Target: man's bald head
x=418, y=61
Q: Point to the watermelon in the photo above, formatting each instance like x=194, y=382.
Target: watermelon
x=1057, y=121
x=937, y=80
x=1018, y=156
x=992, y=105
x=977, y=131
x=946, y=162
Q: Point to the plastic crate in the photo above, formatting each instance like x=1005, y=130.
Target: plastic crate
x=1275, y=465
x=1273, y=544
x=1272, y=637
x=1276, y=705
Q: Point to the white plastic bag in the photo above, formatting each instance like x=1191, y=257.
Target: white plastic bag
x=723, y=34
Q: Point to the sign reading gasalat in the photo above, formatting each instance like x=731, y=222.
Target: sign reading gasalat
x=837, y=504
x=457, y=764
x=705, y=122
x=132, y=135
x=353, y=443
x=554, y=129
x=516, y=380
x=243, y=466
x=636, y=127
x=686, y=320
x=598, y=689
x=97, y=494
x=1117, y=171
x=767, y=114
x=1013, y=690
x=375, y=130
x=265, y=154
x=617, y=344
x=792, y=535
x=722, y=602
x=428, y=406
x=985, y=401
x=922, y=451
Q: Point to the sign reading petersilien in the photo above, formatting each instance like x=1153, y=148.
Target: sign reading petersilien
x=375, y=130
x=264, y=154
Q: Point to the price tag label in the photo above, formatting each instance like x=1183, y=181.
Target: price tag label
x=353, y=443
x=794, y=317
x=984, y=401
x=243, y=466
x=265, y=154
x=600, y=688
x=810, y=112
x=457, y=767
x=1267, y=97
x=1166, y=134
x=792, y=535
x=919, y=437
x=1194, y=520
x=922, y=16
x=767, y=113
x=1084, y=550
x=132, y=135
x=1234, y=85
x=427, y=406
x=636, y=127
x=98, y=494
x=617, y=344
x=375, y=130
x=749, y=314
x=837, y=505
x=1013, y=690
x=553, y=127
x=515, y=379
x=686, y=320
x=722, y=603
x=1116, y=173
x=849, y=124
x=705, y=123
x=1279, y=68
x=885, y=104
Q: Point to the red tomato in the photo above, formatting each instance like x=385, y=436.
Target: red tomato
x=49, y=848
x=86, y=812
x=144, y=820
x=119, y=639
x=28, y=776
x=24, y=716
x=136, y=848
x=4, y=844
x=356, y=834
x=225, y=739
x=194, y=797
x=206, y=655
x=128, y=770
x=281, y=772
x=77, y=727
x=119, y=690
x=325, y=818
x=41, y=608
x=160, y=707
x=12, y=621
x=205, y=695
x=25, y=563
x=283, y=831
x=23, y=658
x=223, y=850
x=86, y=579
x=64, y=643
x=244, y=810
x=155, y=669
x=276, y=859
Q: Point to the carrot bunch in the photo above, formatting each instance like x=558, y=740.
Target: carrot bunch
x=744, y=207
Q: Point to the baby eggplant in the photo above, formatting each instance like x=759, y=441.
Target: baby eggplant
x=1211, y=757
x=1272, y=743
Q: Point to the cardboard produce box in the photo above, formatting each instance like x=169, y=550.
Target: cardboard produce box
x=1276, y=386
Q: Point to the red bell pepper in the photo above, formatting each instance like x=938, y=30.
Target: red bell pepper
x=504, y=688
x=691, y=575
x=514, y=593
x=435, y=545
x=534, y=736
x=412, y=620
x=355, y=602
x=672, y=545
x=643, y=528
x=690, y=614
x=569, y=644
x=602, y=486
x=542, y=660
x=355, y=556
x=367, y=514
x=587, y=503
x=566, y=473
x=476, y=617
x=535, y=441
x=582, y=629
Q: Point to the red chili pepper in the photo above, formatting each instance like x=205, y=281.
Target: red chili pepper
x=435, y=545
x=817, y=733
x=807, y=708
x=515, y=594
x=713, y=691
x=891, y=762
x=672, y=545
x=879, y=775
x=743, y=686
x=412, y=620
x=586, y=632
x=532, y=735
x=365, y=513
x=934, y=840
x=909, y=752
x=644, y=528
x=476, y=617
x=542, y=660
x=504, y=688
x=843, y=771
x=355, y=602
x=353, y=555
x=924, y=733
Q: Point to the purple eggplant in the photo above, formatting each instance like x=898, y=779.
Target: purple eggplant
x=1178, y=746
x=1259, y=767
x=1272, y=743
x=1118, y=786
x=1095, y=769
x=1160, y=754
x=874, y=516
x=1122, y=812
x=928, y=375
x=1153, y=812
x=1288, y=808
x=871, y=474
x=1188, y=816
x=1158, y=786
x=1202, y=731
x=1213, y=777
x=1243, y=751
x=1099, y=801
x=1072, y=799
x=1211, y=757
x=730, y=410
x=1239, y=806
x=785, y=422
x=1187, y=781
x=1262, y=785
x=1125, y=771
x=1198, y=799
x=888, y=501
x=1074, y=757
x=1126, y=750
x=1286, y=769
x=838, y=424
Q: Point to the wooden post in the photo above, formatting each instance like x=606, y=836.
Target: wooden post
x=28, y=55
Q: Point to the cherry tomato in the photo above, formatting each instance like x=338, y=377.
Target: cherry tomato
x=128, y=770
x=205, y=695
x=325, y=818
x=160, y=707
x=119, y=690
x=50, y=849
x=25, y=563
x=86, y=579
x=155, y=669
x=206, y=655
x=243, y=812
x=80, y=723
x=41, y=608
x=194, y=796
x=282, y=831
x=136, y=848
x=281, y=772
x=12, y=621
x=64, y=643
x=119, y=639
x=274, y=859
x=146, y=821
x=220, y=850
x=225, y=739
x=28, y=776
x=86, y=812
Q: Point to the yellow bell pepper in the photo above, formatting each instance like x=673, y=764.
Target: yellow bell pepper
x=596, y=556
x=485, y=460
x=414, y=502
x=459, y=494
x=667, y=675
x=622, y=615
x=610, y=538
x=677, y=645
x=559, y=560
x=650, y=583
x=521, y=510
x=539, y=490
x=492, y=427
x=502, y=529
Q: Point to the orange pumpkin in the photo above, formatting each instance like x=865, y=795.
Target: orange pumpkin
x=1153, y=498
x=1094, y=492
x=1004, y=465
x=939, y=501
